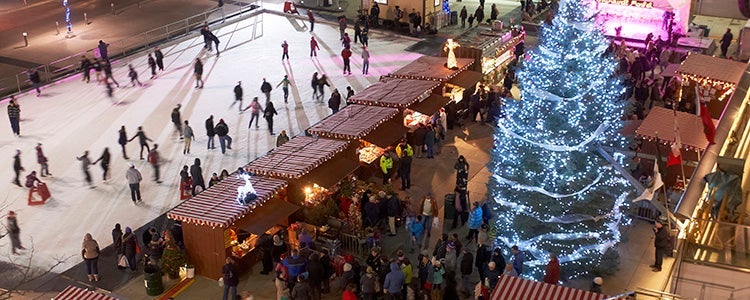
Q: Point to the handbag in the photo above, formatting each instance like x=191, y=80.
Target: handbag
x=435, y=223
x=221, y=281
x=427, y=286
x=122, y=262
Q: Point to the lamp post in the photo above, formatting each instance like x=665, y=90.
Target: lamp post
x=67, y=20
x=25, y=39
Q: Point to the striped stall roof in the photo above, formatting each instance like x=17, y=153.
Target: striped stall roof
x=76, y=293
x=218, y=207
x=297, y=157
x=393, y=92
x=431, y=68
x=515, y=288
x=353, y=122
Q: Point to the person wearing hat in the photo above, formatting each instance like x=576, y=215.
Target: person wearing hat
x=661, y=243
x=134, y=182
x=14, y=231
x=334, y=103
x=17, y=168
x=596, y=285
x=450, y=257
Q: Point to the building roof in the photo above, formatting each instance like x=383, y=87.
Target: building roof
x=661, y=121
x=218, y=206
x=710, y=67
x=392, y=92
x=516, y=288
x=431, y=68
x=353, y=122
x=297, y=157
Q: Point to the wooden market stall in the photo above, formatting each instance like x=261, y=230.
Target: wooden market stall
x=492, y=50
x=216, y=225
x=516, y=288
x=76, y=293
x=395, y=92
x=714, y=79
x=658, y=130
x=431, y=68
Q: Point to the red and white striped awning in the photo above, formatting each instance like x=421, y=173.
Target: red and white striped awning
x=76, y=293
x=515, y=288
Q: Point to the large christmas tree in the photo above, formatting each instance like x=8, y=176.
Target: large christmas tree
x=551, y=189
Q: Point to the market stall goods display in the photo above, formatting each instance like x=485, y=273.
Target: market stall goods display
x=393, y=92
x=297, y=157
x=353, y=122
x=370, y=153
x=711, y=79
x=431, y=68
x=660, y=123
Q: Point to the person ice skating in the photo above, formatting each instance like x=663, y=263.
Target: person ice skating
x=154, y=160
x=268, y=114
x=85, y=164
x=210, y=132
x=726, y=40
x=107, y=67
x=266, y=88
x=345, y=55
x=313, y=47
x=86, y=68
x=159, y=58
x=97, y=66
x=90, y=252
x=42, y=160
x=14, y=232
x=255, y=110
x=342, y=27
x=311, y=18
x=322, y=83
x=35, y=80
x=365, y=60
x=335, y=101
x=196, y=172
x=152, y=65
x=32, y=180
x=222, y=130
x=133, y=76
x=142, y=140
x=479, y=14
x=357, y=30
x=110, y=90
x=285, y=50
x=123, y=140
x=363, y=36
x=104, y=158
x=661, y=243
x=314, y=85
x=463, y=15
x=187, y=132
x=285, y=87
x=471, y=20
x=177, y=120
x=237, y=95
x=198, y=71
x=346, y=41
x=282, y=139
x=349, y=93
x=213, y=38
x=134, y=178
x=206, y=38
x=103, y=50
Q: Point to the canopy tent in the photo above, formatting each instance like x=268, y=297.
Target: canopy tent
x=76, y=293
x=661, y=121
x=218, y=205
x=515, y=288
x=711, y=79
x=431, y=68
x=353, y=122
x=398, y=93
x=297, y=157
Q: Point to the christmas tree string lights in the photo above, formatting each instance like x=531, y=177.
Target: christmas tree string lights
x=551, y=191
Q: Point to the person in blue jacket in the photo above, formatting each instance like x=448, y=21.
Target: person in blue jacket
x=394, y=280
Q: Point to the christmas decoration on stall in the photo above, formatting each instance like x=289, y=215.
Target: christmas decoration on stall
x=173, y=257
x=452, y=63
x=552, y=191
x=246, y=193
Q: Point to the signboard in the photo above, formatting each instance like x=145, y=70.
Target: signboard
x=634, y=3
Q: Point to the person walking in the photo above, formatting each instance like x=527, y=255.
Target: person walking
x=345, y=55
x=187, y=133
x=14, y=231
x=285, y=50
x=133, y=76
x=479, y=14
x=86, y=68
x=210, y=132
x=35, y=80
x=393, y=282
x=430, y=139
x=231, y=279
x=206, y=38
x=428, y=208
x=108, y=74
x=134, y=178
x=102, y=46
x=152, y=65
x=159, y=58
x=42, y=160
x=90, y=252
x=14, y=115
x=177, y=120
x=85, y=164
x=104, y=158
x=266, y=88
x=285, y=87
x=123, y=140
x=198, y=71
x=154, y=160
x=313, y=47
x=342, y=27
x=17, y=168
x=238, y=93
x=268, y=114
x=311, y=18
x=464, y=14
x=255, y=109
x=365, y=60
x=322, y=83
x=661, y=243
x=726, y=40
x=225, y=141
x=129, y=248
x=142, y=140
x=196, y=172
x=335, y=101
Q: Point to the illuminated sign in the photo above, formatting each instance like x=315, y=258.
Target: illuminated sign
x=634, y=3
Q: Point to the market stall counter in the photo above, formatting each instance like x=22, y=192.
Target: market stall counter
x=713, y=79
x=228, y=218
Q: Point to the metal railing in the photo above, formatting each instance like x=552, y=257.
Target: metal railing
x=718, y=243
x=704, y=286
x=70, y=64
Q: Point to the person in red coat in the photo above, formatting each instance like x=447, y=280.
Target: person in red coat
x=349, y=292
x=552, y=273
x=313, y=47
x=346, y=54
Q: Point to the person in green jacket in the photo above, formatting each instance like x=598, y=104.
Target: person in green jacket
x=408, y=273
x=386, y=165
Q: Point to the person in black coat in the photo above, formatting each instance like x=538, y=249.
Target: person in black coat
x=497, y=257
x=466, y=268
x=482, y=258
x=17, y=168
x=197, y=173
x=316, y=273
x=265, y=244
x=142, y=140
x=279, y=247
x=393, y=206
x=159, y=58
x=210, y=132
x=117, y=239
x=268, y=114
x=129, y=245
x=104, y=158
x=662, y=243
x=222, y=130
x=335, y=101
x=198, y=72
x=231, y=279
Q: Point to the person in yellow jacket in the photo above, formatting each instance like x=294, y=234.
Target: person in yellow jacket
x=386, y=165
x=404, y=149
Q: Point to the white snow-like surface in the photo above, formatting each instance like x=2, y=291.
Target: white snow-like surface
x=73, y=116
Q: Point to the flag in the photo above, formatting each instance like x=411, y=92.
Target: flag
x=654, y=185
x=708, y=124
x=675, y=155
